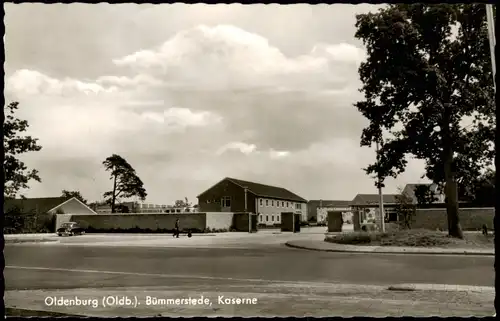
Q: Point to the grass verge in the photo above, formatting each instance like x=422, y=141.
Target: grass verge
x=414, y=238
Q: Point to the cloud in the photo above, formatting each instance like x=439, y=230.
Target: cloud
x=31, y=82
x=243, y=148
x=274, y=154
x=122, y=81
x=225, y=57
x=182, y=117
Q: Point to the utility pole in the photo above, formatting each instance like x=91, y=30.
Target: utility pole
x=381, y=198
x=246, y=211
x=491, y=35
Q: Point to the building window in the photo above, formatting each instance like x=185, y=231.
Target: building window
x=278, y=218
x=267, y=218
x=267, y=202
x=272, y=218
x=287, y=205
x=277, y=204
x=226, y=201
x=272, y=203
x=282, y=204
x=260, y=201
x=297, y=206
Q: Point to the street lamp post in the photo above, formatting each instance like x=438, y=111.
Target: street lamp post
x=381, y=198
x=246, y=211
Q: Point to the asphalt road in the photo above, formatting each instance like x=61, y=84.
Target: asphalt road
x=37, y=266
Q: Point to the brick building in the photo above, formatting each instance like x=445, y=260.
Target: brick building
x=234, y=195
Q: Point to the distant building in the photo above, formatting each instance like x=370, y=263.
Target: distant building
x=366, y=208
x=145, y=208
x=318, y=209
x=47, y=205
x=267, y=201
x=410, y=189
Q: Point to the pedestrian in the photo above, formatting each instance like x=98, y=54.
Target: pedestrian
x=176, y=233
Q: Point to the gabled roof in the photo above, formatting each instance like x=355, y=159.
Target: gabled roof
x=34, y=205
x=38, y=205
x=267, y=190
x=329, y=203
x=262, y=190
x=409, y=190
x=373, y=199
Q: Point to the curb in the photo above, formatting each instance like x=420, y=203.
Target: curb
x=388, y=252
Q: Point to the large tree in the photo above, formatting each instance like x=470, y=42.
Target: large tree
x=126, y=183
x=71, y=194
x=16, y=172
x=428, y=69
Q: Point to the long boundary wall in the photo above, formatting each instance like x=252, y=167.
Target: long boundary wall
x=471, y=219
x=219, y=220
x=152, y=221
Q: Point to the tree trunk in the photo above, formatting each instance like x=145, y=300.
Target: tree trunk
x=113, y=199
x=451, y=194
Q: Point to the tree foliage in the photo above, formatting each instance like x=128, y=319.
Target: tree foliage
x=71, y=194
x=481, y=191
x=405, y=210
x=428, y=69
x=424, y=194
x=16, y=172
x=126, y=183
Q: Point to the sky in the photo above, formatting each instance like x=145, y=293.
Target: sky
x=190, y=94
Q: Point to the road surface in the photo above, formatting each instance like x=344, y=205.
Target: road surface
x=267, y=263
x=281, y=274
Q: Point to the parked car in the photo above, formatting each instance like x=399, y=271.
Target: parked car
x=70, y=229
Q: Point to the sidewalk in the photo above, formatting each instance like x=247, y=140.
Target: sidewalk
x=317, y=245
x=23, y=238
x=271, y=300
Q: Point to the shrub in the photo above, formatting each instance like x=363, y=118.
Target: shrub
x=15, y=221
x=216, y=230
x=354, y=238
x=391, y=227
x=417, y=238
x=137, y=229
x=369, y=227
